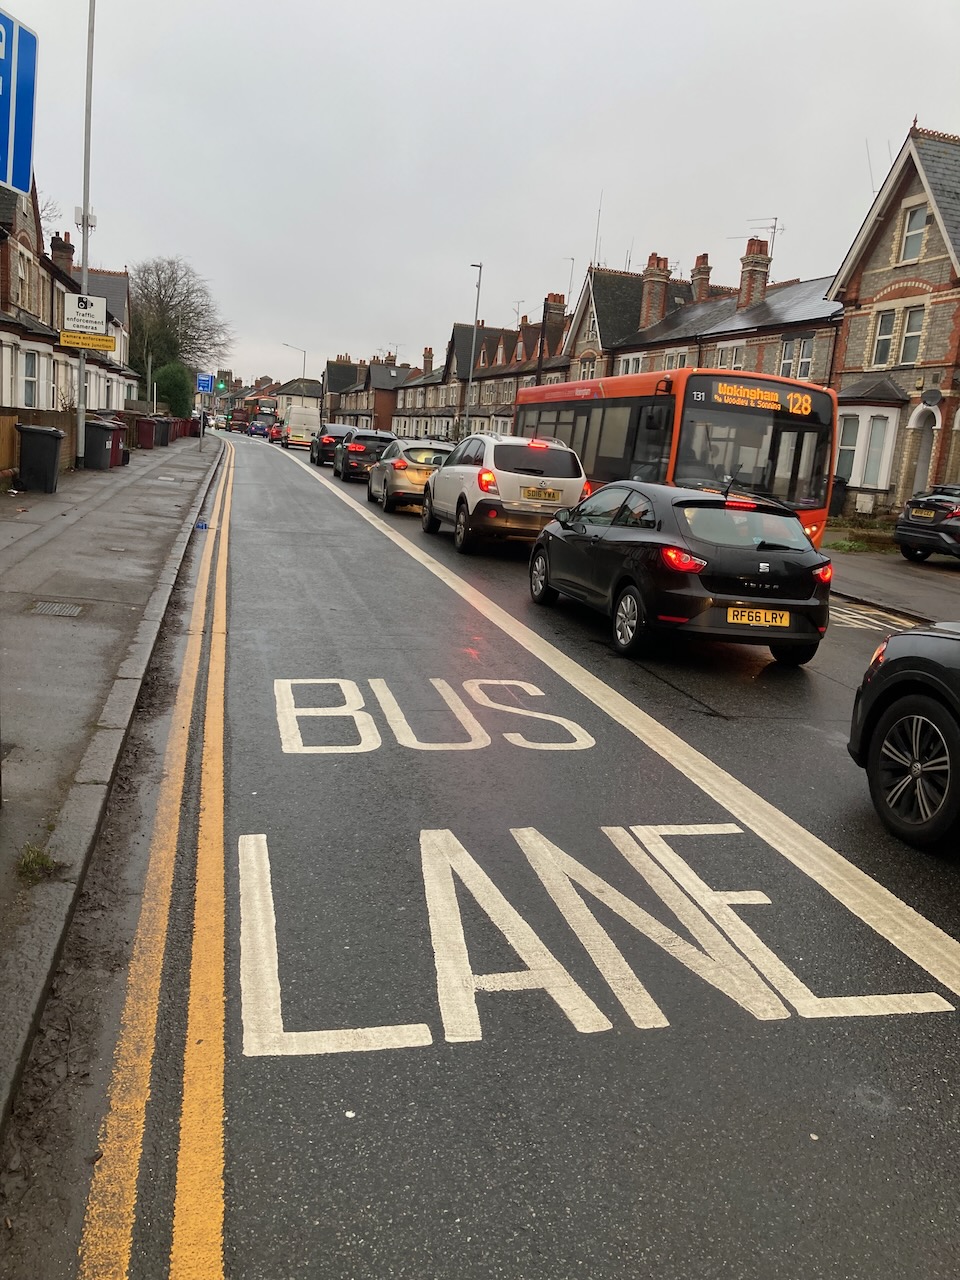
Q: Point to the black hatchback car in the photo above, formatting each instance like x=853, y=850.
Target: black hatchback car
x=658, y=559
x=356, y=452
x=323, y=443
x=905, y=733
x=930, y=522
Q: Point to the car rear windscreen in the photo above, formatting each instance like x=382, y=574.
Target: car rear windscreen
x=561, y=464
x=372, y=441
x=424, y=456
x=743, y=527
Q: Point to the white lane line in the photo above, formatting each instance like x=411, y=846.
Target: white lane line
x=908, y=931
x=261, y=1014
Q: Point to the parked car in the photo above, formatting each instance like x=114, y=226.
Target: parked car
x=930, y=522
x=663, y=560
x=905, y=733
x=398, y=476
x=357, y=450
x=299, y=422
x=260, y=426
x=499, y=486
x=323, y=443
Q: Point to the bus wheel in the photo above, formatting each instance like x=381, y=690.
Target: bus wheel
x=629, y=633
x=794, y=655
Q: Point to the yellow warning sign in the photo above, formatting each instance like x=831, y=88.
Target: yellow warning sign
x=96, y=341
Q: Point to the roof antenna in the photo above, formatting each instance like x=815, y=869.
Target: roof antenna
x=866, y=143
x=596, y=239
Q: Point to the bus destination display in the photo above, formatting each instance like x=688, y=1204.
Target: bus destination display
x=766, y=396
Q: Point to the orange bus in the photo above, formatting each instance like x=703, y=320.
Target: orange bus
x=702, y=428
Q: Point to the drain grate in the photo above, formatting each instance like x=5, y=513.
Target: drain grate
x=58, y=610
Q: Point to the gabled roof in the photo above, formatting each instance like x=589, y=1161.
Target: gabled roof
x=340, y=375
x=936, y=157
x=802, y=302
x=457, y=360
x=387, y=377
x=312, y=387
x=617, y=299
x=878, y=389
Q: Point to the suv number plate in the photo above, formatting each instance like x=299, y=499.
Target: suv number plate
x=542, y=495
x=759, y=617
x=918, y=513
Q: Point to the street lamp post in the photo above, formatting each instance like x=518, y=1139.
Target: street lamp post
x=85, y=234
x=473, y=349
x=303, y=374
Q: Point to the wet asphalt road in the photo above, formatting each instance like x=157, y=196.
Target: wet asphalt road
x=485, y=1021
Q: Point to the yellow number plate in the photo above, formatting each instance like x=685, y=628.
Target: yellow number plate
x=918, y=513
x=542, y=495
x=759, y=617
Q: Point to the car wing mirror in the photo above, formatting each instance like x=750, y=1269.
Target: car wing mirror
x=562, y=517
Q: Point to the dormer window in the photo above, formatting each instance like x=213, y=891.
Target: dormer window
x=483, y=359
x=520, y=354
x=914, y=226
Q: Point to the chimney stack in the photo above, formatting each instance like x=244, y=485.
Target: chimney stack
x=656, y=276
x=755, y=266
x=390, y=358
x=700, y=278
x=61, y=252
x=428, y=360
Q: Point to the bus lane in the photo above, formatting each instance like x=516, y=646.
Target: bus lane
x=518, y=980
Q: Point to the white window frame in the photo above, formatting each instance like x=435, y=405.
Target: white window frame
x=909, y=315
x=920, y=231
x=676, y=358
x=879, y=337
x=588, y=368
x=31, y=400
x=866, y=418
x=590, y=331
x=730, y=356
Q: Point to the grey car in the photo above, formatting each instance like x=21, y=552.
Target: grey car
x=398, y=476
x=356, y=452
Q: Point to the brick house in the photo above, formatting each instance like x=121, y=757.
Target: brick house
x=300, y=391
x=372, y=400
x=896, y=371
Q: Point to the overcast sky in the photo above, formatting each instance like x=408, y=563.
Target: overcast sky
x=333, y=169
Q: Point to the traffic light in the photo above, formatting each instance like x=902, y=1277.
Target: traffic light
x=221, y=385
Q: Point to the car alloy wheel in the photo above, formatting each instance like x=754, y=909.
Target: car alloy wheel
x=916, y=554
x=629, y=622
x=462, y=537
x=371, y=496
x=428, y=521
x=386, y=501
x=913, y=768
x=540, y=588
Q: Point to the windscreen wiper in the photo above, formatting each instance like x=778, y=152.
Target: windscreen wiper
x=775, y=546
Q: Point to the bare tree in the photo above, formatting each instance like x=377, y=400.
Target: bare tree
x=175, y=318
x=50, y=215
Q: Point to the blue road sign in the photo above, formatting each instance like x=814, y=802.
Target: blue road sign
x=18, y=87
x=205, y=383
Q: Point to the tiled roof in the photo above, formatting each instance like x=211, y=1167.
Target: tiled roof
x=617, y=297
x=790, y=304
x=312, y=387
x=873, y=390
x=939, y=155
x=340, y=376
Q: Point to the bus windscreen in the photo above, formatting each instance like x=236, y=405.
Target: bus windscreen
x=767, y=438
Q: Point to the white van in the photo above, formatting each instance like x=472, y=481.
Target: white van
x=299, y=423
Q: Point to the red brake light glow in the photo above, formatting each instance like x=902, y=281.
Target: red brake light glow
x=740, y=504
x=328, y=440
x=824, y=572
x=586, y=491
x=487, y=482
x=879, y=652
x=399, y=464
x=356, y=448
x=682, y=561
x=538, y=444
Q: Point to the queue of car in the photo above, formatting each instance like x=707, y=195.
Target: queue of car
x=711, y=563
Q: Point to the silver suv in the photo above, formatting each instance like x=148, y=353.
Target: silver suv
x=499, y=486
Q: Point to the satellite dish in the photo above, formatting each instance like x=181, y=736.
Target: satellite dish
x=933, y=396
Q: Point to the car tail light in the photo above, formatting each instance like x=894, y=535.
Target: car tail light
x=951, y=515
x=586, y=491
x=682, y=561
x=538, y=444
x=740, y=504
x=328, y=440
x=487, y=482
x=356, y=448
x=399, y=464
x=824, y=572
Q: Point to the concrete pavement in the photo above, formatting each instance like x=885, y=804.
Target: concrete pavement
x=85, y=578
x=86, y=574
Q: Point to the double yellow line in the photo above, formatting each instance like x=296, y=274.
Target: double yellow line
x=197, y=1247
